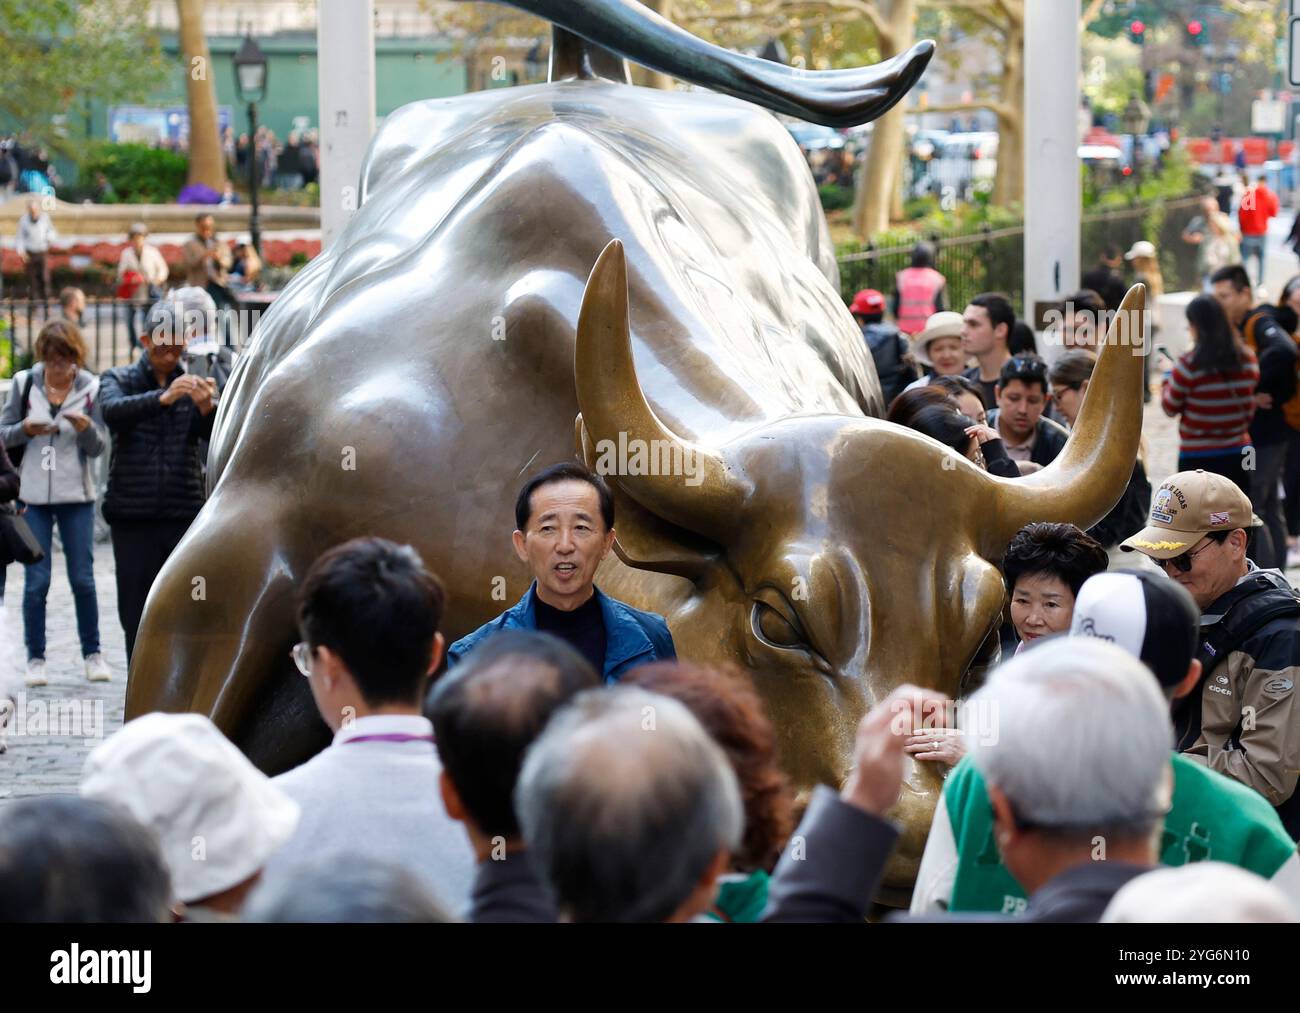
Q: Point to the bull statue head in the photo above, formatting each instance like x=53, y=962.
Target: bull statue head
x=833, y=556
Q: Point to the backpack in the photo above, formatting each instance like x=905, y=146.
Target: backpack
x=889, y=349
x=16, y=454
x=1269, y=600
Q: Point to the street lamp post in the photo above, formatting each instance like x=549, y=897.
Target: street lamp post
x=250, y=85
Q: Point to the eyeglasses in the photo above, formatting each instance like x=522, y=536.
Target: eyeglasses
x=1183, y=563
x=1059, y=389
x=302, y=654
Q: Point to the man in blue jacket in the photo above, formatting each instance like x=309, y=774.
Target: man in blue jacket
x=564, y=527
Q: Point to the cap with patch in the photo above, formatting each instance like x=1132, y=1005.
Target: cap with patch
x=1186, y=508
x=1147, y=614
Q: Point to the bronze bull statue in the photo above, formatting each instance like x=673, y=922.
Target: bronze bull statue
x=456, y=334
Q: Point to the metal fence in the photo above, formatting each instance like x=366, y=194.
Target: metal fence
x=109, y=326
x=992, y=260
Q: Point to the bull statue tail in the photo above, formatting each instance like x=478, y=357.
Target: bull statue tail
x=835, y=98
x=1090, y=474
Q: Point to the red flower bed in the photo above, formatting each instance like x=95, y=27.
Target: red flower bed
x=275, y=253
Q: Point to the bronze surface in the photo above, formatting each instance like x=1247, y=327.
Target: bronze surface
x=439, y=352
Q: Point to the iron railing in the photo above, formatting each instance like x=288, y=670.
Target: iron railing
x=109, y=326
x=992, y=260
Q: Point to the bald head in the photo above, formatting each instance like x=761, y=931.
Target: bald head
x=625, y=804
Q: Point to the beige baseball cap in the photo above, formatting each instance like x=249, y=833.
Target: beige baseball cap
x=1186, y=508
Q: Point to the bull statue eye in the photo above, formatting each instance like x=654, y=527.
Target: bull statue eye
x=776, y=629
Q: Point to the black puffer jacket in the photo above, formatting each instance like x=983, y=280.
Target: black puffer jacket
x=155, y=471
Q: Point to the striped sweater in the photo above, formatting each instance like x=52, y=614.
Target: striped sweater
x=1216, y=408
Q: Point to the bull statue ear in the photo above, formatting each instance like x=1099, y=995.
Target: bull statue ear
x=645, y=541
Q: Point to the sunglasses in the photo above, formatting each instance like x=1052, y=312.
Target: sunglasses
x=1018, y=367
x=1183, y=563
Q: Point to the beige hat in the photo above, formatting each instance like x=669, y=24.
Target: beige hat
x=1140, y=249
x=217, y=818
x=1186, y=508
x=945, y=324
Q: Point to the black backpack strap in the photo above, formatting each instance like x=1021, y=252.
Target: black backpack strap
x=27, y=392
x=1233, y=630
x=1262, y=599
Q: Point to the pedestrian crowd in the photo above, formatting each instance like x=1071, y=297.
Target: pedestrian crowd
x=290, y=164
x=561, y=763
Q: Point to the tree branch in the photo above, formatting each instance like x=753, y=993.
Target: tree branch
x=869, y=11
x=1090, y=15
x=777, y=8
x=1001, y=109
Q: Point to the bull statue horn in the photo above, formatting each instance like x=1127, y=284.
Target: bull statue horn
x=698, y=491
x=1090, y=474
x=835, y=98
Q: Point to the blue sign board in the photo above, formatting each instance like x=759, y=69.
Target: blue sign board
x=167, y=126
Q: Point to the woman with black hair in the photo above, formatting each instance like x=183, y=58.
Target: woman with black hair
x=1212, y=388
x=1044, y=568
x=938, y=414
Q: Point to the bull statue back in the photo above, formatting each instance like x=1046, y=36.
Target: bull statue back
x=587, y=267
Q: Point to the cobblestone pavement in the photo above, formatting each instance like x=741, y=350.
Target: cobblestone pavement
x=63, y=721
x=58, y=724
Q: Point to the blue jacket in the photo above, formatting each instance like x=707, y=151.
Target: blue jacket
x=632, y=637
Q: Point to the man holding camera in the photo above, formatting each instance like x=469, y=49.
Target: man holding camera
x=160, y=416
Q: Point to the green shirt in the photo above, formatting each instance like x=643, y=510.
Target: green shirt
x=1212, y=817
x=740, y=899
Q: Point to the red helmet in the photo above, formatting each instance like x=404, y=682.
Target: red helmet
x=867, y=301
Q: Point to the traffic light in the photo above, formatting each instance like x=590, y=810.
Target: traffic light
x=1196, y=33
x=1137, y=32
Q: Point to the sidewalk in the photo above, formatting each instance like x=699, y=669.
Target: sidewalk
x=60, y=723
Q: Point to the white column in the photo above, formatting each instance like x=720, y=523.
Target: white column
x=345, y=74
x=1052, y=194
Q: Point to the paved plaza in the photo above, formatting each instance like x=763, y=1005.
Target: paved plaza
x=58, y=724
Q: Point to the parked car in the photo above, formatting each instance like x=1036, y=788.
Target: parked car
x=963, y=162
x=829, y=154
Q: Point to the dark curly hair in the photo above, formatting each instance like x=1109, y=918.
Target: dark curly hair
x=1058, y=550
x=726, y=704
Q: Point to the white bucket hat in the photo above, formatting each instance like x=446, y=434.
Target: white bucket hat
x=944, y=324
x=217, y=818
x=1140, y=249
